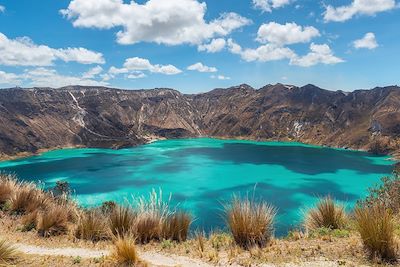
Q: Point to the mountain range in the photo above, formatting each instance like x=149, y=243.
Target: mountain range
x=36, y=119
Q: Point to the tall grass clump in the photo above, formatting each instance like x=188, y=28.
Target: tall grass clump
x=152, y=213
x=326, y=214
x=176, y=226
x=125, y=252
x=251, y=223
x=8, y=185
x=92, y=225
x=376, y=227
x=7, y=253
x=27, y=198
x=53, y=221
x=121, y=220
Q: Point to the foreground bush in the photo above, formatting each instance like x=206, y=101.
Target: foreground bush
x=125, y=252
x=376, y=227
x=92, y=225
x=53, y=221
x=7, y=253
x=176, y=226
x=250, y=223
x=387, y=194
x=121, y=220
x=326, y=214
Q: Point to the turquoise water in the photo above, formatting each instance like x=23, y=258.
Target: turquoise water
x=203, y=173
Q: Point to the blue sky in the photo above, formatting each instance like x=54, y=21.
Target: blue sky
x=196, y=46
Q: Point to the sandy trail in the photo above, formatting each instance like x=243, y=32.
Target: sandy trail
x=153, y=258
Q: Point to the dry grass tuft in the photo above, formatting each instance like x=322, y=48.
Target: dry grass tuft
x=376, y=227
x=152, y=213
x=8, y=185
x=7, y=253
x=92, y=225
x=53, y=221
x=176, y=226
x=28, y=198
x=250, y=223
x=121, y=220
x=326, y=214
x=125, y=252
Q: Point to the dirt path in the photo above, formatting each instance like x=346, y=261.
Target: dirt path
x=153, y=258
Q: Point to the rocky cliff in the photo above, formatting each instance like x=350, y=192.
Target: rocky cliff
x=45, y=118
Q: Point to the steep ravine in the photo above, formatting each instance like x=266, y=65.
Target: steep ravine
x=36, y=119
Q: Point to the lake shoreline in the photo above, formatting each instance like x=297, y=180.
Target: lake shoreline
x=395, y=156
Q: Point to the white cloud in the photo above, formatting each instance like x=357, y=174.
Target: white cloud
x=92, y=72
x=368, y=41
x=289, y=33
x=113, y=70
x=220, y=77
x=23, y=52
x=271, y=52
x=319, y=54
x=136, y=75
x=137, y=63
x=264, y=53
x=201, y=68
x=2, y=9
x=169, y=22
x=47, y=77
x=9, y=79
x=214, y=46
x=357, y=7
x=268, y=5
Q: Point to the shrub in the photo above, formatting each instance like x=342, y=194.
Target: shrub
x=176, y=226
x=387, y=194
x=121, y=220
x=7, y=253
x=376, y=227
x=250, y=223
x=108, y=207
x=92, y=225
x=62, y=189
x=125, y=252
x=53, y=221
x=326, y=214
x=27, y=198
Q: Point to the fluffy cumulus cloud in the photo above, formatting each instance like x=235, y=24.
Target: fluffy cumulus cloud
x=169, y=22
x=283, y=34
x=264, y=53
x=368, y=41
x=220, y=77
x=142, y=64
x=44, y=77
x=214, y=46
x=357, y=7
x=268, y=5
x=319, y=53
x=9, y=79
x=23, y=52
x=201, y=68
x=92, y=73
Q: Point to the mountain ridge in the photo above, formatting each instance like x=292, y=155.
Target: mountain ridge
x=34, y=119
